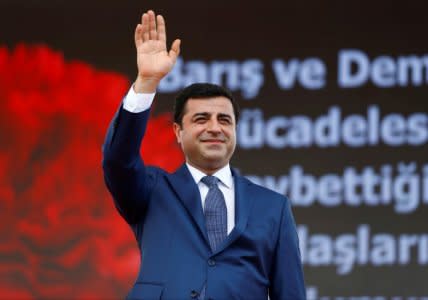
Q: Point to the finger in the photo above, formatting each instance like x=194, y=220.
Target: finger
x=161, y=28
x=145, y=27
x=152, y=26
x=138, y=35
x=175, y=50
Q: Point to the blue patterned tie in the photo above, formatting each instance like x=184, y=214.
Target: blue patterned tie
x=215, y=212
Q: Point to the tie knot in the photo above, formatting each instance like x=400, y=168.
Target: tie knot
x=210, y=181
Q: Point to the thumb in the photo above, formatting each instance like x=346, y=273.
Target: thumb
x=175, y=50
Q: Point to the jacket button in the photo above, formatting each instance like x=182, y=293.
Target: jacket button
x=211, y=262
x=194, y=294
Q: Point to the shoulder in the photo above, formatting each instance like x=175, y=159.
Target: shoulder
x=155, y=171
x=262, y=193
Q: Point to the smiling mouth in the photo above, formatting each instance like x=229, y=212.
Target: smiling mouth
x=213, y=141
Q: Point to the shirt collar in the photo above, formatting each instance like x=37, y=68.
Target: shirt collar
x=224, y=174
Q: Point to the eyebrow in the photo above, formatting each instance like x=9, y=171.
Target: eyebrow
x=202, y=114
x=205, y=114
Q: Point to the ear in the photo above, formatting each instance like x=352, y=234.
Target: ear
x=177, y=130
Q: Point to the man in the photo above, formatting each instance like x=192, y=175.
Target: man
x=204, y=232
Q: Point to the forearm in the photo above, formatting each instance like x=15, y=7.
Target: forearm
x=124, y=137
x=124, y=171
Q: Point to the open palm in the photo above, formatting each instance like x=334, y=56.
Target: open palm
x=153, y=59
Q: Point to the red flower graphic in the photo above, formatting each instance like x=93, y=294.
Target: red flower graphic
x=61, y=237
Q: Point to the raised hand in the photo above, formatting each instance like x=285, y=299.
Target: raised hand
x=153, y=59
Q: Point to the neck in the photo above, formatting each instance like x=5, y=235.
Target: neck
x=208, y=170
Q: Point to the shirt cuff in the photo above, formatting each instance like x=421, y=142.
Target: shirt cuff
x=137, y=102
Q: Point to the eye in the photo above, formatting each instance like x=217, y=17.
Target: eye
x=200, y=120
x=225, y=121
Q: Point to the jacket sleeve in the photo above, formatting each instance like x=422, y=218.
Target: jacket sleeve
x=125, y=174
x=287, y=282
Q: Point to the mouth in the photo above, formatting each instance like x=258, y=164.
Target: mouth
x=213, y=141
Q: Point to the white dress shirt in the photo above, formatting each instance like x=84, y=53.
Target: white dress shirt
x=226, y=186
x=136, y=103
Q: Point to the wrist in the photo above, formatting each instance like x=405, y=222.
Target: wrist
x=145, y=85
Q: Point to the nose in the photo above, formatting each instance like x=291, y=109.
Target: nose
x=214, y=126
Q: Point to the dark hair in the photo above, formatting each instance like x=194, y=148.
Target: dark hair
x=201, y=91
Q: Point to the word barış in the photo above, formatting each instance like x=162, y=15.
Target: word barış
x=331, y=129
x=362, y=248
x=406, y=190
x=246, y=76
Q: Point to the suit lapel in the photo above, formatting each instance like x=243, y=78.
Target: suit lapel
x=187, y=191
x=243, y=204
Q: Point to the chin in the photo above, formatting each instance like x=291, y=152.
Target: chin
x=215, y=160
x=215, y=154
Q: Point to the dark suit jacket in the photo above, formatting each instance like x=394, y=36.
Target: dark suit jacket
x=259, y=256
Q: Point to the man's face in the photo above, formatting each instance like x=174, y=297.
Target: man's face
x=208, y=133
